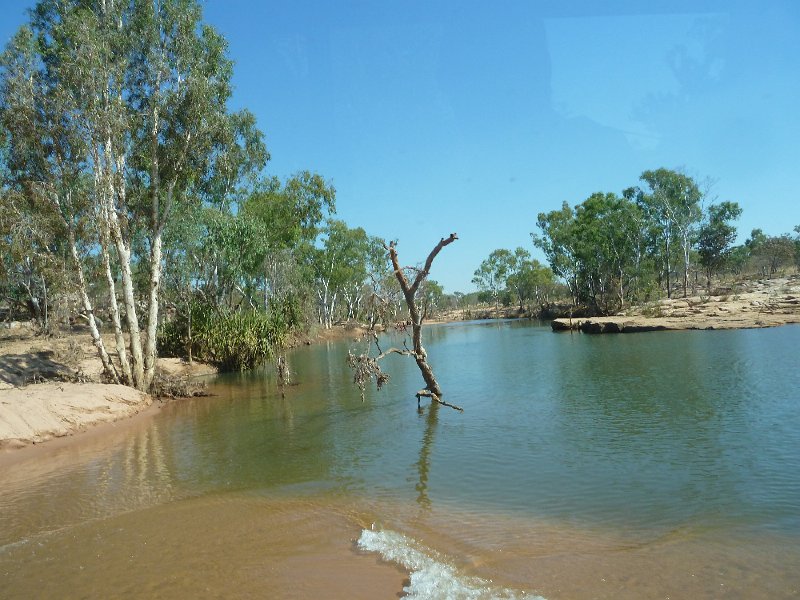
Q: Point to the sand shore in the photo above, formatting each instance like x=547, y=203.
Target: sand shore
x=50, y=388
x=37, y=413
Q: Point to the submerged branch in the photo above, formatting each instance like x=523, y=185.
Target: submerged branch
x=426, y=393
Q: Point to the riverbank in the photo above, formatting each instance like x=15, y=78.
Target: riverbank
x=748, y=305
x=51, y=388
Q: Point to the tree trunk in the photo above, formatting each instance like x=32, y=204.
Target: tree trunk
x=668, y=265
x=122, y=353
x=152, y=317
x=117, y=194
x=124, y=255
x=686, y=263
x=432, y=388
x=108, y=367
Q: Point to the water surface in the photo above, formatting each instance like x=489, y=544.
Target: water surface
x=625, y=466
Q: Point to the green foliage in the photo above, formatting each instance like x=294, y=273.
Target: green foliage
x=491, y=276
x=756, y=240
x=717, y=235
x=232, y=340
x=293, y=211
x=343, y=263
x=431, y=297
x=118, y=122
x=671, y=205
x=532, y=281
x=612, y=250
x=598, y=248
x=774, y=253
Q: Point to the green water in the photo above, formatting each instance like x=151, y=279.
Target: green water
x=687, y=436
x=636, y=431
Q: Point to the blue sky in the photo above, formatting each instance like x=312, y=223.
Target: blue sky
x=472, y=117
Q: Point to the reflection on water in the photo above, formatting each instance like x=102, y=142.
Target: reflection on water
x=424, y=462
x=637, y=458
x=56, y=491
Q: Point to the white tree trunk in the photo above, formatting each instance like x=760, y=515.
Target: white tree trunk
x=108, y=366
x=152, y=318
x=122, y=352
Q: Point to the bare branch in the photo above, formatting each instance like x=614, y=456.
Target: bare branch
x=426, y=393
x=366, y=367
x=405, y=352
x=429, y=261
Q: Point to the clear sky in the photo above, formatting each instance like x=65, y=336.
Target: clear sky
x=472, y=116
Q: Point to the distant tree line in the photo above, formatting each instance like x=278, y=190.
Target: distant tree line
x=507, y=277
x=654, y=239
x=659, y=238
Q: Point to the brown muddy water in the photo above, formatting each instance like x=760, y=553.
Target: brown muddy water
x=662, y=465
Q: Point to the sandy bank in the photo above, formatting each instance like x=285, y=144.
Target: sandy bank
x=50, y=387
x=36, y=413
x=763, y=303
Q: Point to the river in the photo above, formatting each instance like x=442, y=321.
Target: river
x=652, y=465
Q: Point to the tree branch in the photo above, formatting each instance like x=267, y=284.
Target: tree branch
x=396, y=351
x=426, y=393
x=429, y=261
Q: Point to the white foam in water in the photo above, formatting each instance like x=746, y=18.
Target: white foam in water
x=431, y=577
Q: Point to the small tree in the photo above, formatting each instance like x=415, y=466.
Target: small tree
x=559, y=243
x=797, y=246
x=491, y=276
x=534, y=281
x=716, y=237
x=774, y=253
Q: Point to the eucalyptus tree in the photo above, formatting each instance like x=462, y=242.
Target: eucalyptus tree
x=432, y=297
x=774, y=253
x=366, y=263
x=716, y=236
x=559, y=243
x=532, y=281
x=32, y=276
x=520, y=261
x=293, y=213
x=227, y=257
x=385, y=301
x=29, y=252
x=672, y=204
x=756, y=239
x=341, y=266
x=609, y=247
x=797, y=245
x=118, y=119
x=492, y=273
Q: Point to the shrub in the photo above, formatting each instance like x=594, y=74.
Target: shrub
x=231, y=340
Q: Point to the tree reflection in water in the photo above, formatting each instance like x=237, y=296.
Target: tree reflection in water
x=424, y=463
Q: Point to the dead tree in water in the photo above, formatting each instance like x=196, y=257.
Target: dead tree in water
x=366, y=367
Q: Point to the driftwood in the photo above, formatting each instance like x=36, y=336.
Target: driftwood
x=367, y=367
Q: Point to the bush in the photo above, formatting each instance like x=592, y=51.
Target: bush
x=231, y=340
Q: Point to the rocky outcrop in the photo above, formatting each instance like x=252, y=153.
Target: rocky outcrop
x=613, y=325
x=764, y=303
